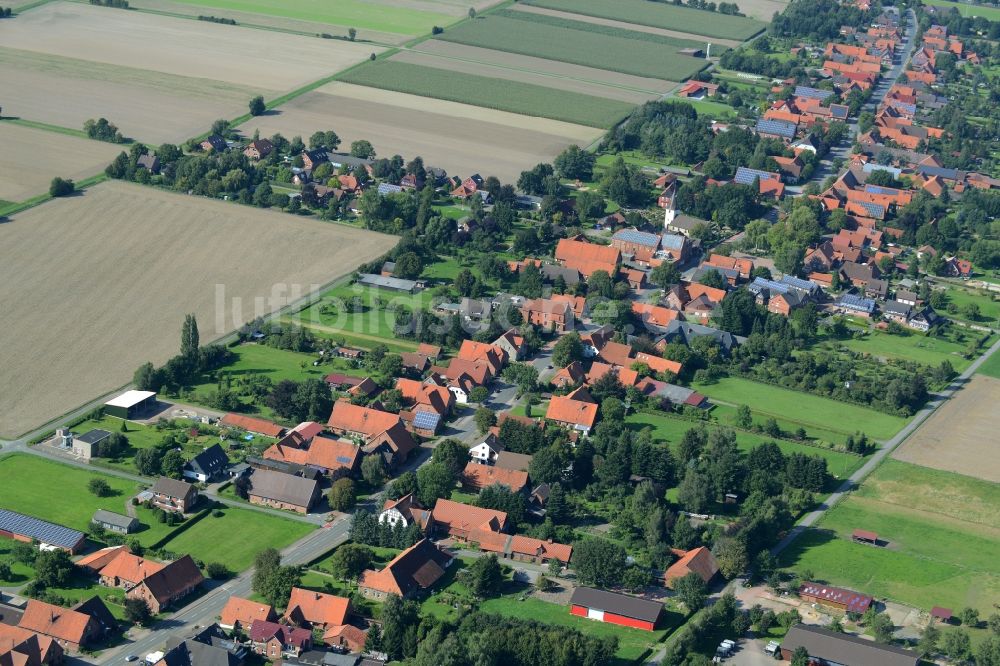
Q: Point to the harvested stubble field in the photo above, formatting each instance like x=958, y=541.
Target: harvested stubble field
x=536, y=71
x=147, y=106
x=490, y=93
x=611, y=23
x=455, y=137
x=660, y=15
x=242, y=56
x=579, y=43
x=95, y=285
x=961, y=436
x=762, y=9
x=31, y=158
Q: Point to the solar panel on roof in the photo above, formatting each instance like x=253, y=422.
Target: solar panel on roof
x=746, y=176
x=35, y=528
x=813, y=93
x=343, y=460
x=776, y=127
x=426, y=420
x=878, y=189
x=874, y=210
x=635, y=236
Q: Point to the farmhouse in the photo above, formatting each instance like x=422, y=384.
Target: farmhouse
x=835, y=597
x=588, y=258
x=174, y=495
x=130, y=404
x=69, y=628
x=21, y=646
x=316, y=609
x=115, y=522
x=416, y=568
x=209, y=646
x=206, y=465
x=252, y=425
x=571, y=413
x=402, y=510
x=25, y=528
x=320, y=453
x=274, y=641
x=522, y=548
x=460, y=520
x=831, y=647
x=282, y=491
x=174, y=581
x=240, y=612
x=127, y=570
x=477, y=477
x=615, y=608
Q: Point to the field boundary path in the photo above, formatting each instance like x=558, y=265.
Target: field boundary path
x=888, y=447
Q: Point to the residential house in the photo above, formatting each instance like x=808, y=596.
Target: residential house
x=698, y=90
x=477, y=477
x=150, y=162
x=406, y=510
x=274, y=641
x=258, y=149
x=127, y=570
x=460, y=520
x=313, y=158
x=856, y=305
x=174, y=495
x=742, y=266
x=570, y=413
x=316, y=609
x=519, y=462
x=321, y=453
x=22, y=647
x=512, y=344
x=571, y=375
x=208, y=647
x=626, y=376
x=699, y=561
x=207, y=465
x=174, y=581
x=282, y=491
x=925, y=319
x=239, y=613
x=214, y=142
x=71, y=629
x=382, y=432
x=960, y=268
x=415, y=569
x=588, y=258
x=548, y=313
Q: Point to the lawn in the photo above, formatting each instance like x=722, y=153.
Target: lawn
x=808, y=410
x=388, y=17
x=632, y=643
x=484, y=91
x=991, y=367
x=715, y=110
x=969, y=10
x=660, y=15
x=910, y=347
x=576, y=42
x=20, y=573
x=235, y=537
x=942, y=535
x=989, y=309
x=672, y=430
x=55, y=492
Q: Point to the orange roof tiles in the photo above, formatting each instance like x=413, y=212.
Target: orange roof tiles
x=480, y=476
x=588, y=257
x=654, y=314
x=245, y=611
x=364, y=420
x=463, y=518
x=566, y=410
x=250, y=424
x=101, y=558
x=317, y=608
x=129, y=567
x=60, y=623
x=323, y=452
x=696, y=289
x=699, y=561
x=657, y=364
x=626, y=376
x=522, y=545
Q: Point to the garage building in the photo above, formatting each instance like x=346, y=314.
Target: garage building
x=130, y=404
x=830, y=647
x=26, y=528
x=615, y=608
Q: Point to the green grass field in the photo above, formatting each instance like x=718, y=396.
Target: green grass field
x=911, y=347
x=798, y=407
x=968, y=10
x=942, y=532
x=632, y=643
x=715, y=110
x=55, y=492
x=989, y=310
x=520, y=32
x=349, y=13
x=20, y=573
x=484, y=91
x=660, y=15
x=991, y=367
x=672, y=430
x=237, y=536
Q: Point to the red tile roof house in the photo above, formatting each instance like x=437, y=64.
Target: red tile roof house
x=571, y=375
x=21, y=647
x=240, y=613
x=316, y=609
x=382, y=432
x=250, y=424
x=613, y=608
x=548, y=313
x=571, y=413
x=588, y=257
x=323, y=453
x=699, y=561
x=174, y=581
x=461, y=520
x=274, y=641
x=128, y=570
x=478, y=476
x=522, y=548
x=70, y=629
x=415, y=569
